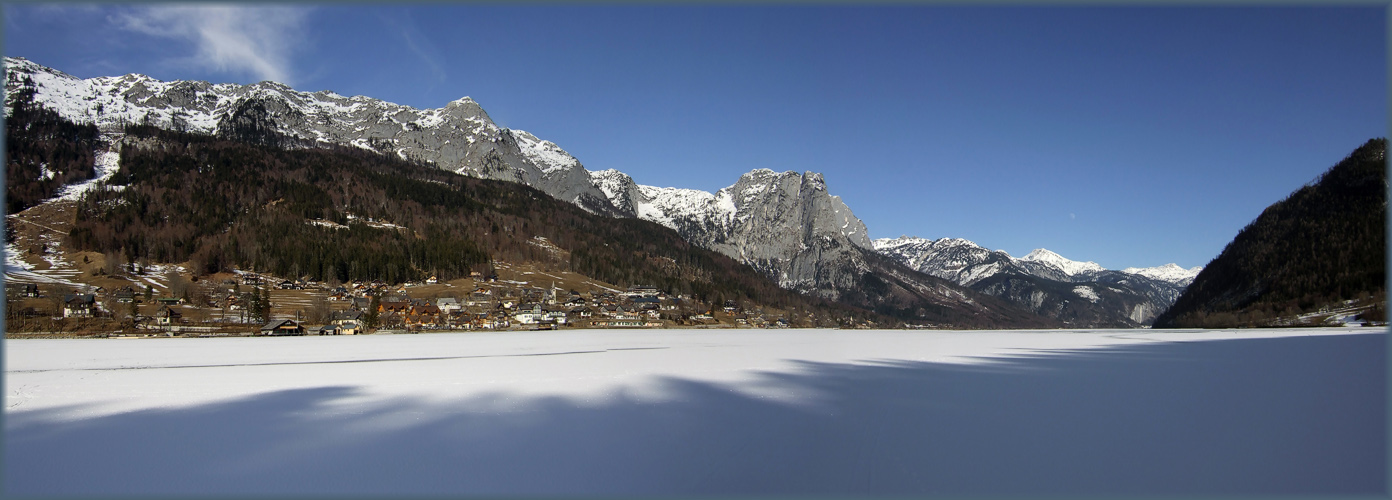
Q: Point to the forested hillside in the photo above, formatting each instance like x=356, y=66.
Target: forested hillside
x=1324, y=244
x=43, y=152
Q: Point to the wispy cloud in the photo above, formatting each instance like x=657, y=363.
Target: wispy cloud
x=417, y=43
x=258, y=41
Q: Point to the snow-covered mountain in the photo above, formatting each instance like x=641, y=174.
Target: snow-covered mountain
x=965, y=262
x=1137, y=295
x=1169, y=272
x=1054, y=262
x=459, y=136
x=785, y=224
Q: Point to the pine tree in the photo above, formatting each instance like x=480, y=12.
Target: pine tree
x=370, y=319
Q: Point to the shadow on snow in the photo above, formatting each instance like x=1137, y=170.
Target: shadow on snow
x=1294, y=415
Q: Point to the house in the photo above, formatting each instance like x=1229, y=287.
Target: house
x=480, y=297
x=349, y=328
x=392, y=306
x=125, y=295
x=327, y=330
x=642, y=291
x=423, y=316
x=361, y=303
x=432, y=280
x=168, y=316
x=79, y=305
x=283, y=327
x=530, y=314
x=342, y=317
x=31, y=290
x=448, y=304
x=288, y=285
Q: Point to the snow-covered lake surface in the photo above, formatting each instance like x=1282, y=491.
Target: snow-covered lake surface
x=691, y=412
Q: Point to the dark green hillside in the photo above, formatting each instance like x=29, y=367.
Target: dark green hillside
x=220, y=203
x=43, y=152
x=1323, y=244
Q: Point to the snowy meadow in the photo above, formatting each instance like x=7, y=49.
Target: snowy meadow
x=702, y=412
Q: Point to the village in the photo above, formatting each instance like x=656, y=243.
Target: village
x=166, y=302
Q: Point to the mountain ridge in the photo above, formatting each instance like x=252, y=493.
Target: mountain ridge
x=1322, y=248
x=786, y=225
x=1046, y=282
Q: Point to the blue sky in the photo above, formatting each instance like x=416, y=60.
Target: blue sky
x=1129, y=136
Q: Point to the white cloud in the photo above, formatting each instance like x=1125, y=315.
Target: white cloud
x=259, y=41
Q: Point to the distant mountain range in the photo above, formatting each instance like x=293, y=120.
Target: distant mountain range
x=1045, y=282
x=785, y=225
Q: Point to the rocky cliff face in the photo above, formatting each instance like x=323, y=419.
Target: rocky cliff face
x=786, y=224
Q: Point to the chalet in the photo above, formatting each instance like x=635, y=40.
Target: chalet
x=361, y=303
x=288, y=285
x=31, y=290
x=343, y=317
x=80, y=305
x=283, y=327
x=251, y=279
x=327, y=330
x=168, y=316
x=169, y=301
x=349, y=328
x=392, y=306
x=432, y=280
x=426, y=316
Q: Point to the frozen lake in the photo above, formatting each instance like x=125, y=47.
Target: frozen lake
x=697, y=412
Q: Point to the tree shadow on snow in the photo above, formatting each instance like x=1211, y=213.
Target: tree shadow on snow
x=1298, y=415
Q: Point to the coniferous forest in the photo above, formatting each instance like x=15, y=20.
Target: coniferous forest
x=1323, y=244
x=43, y=151
x=345, y=214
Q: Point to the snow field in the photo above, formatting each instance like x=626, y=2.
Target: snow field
x=608, y=412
